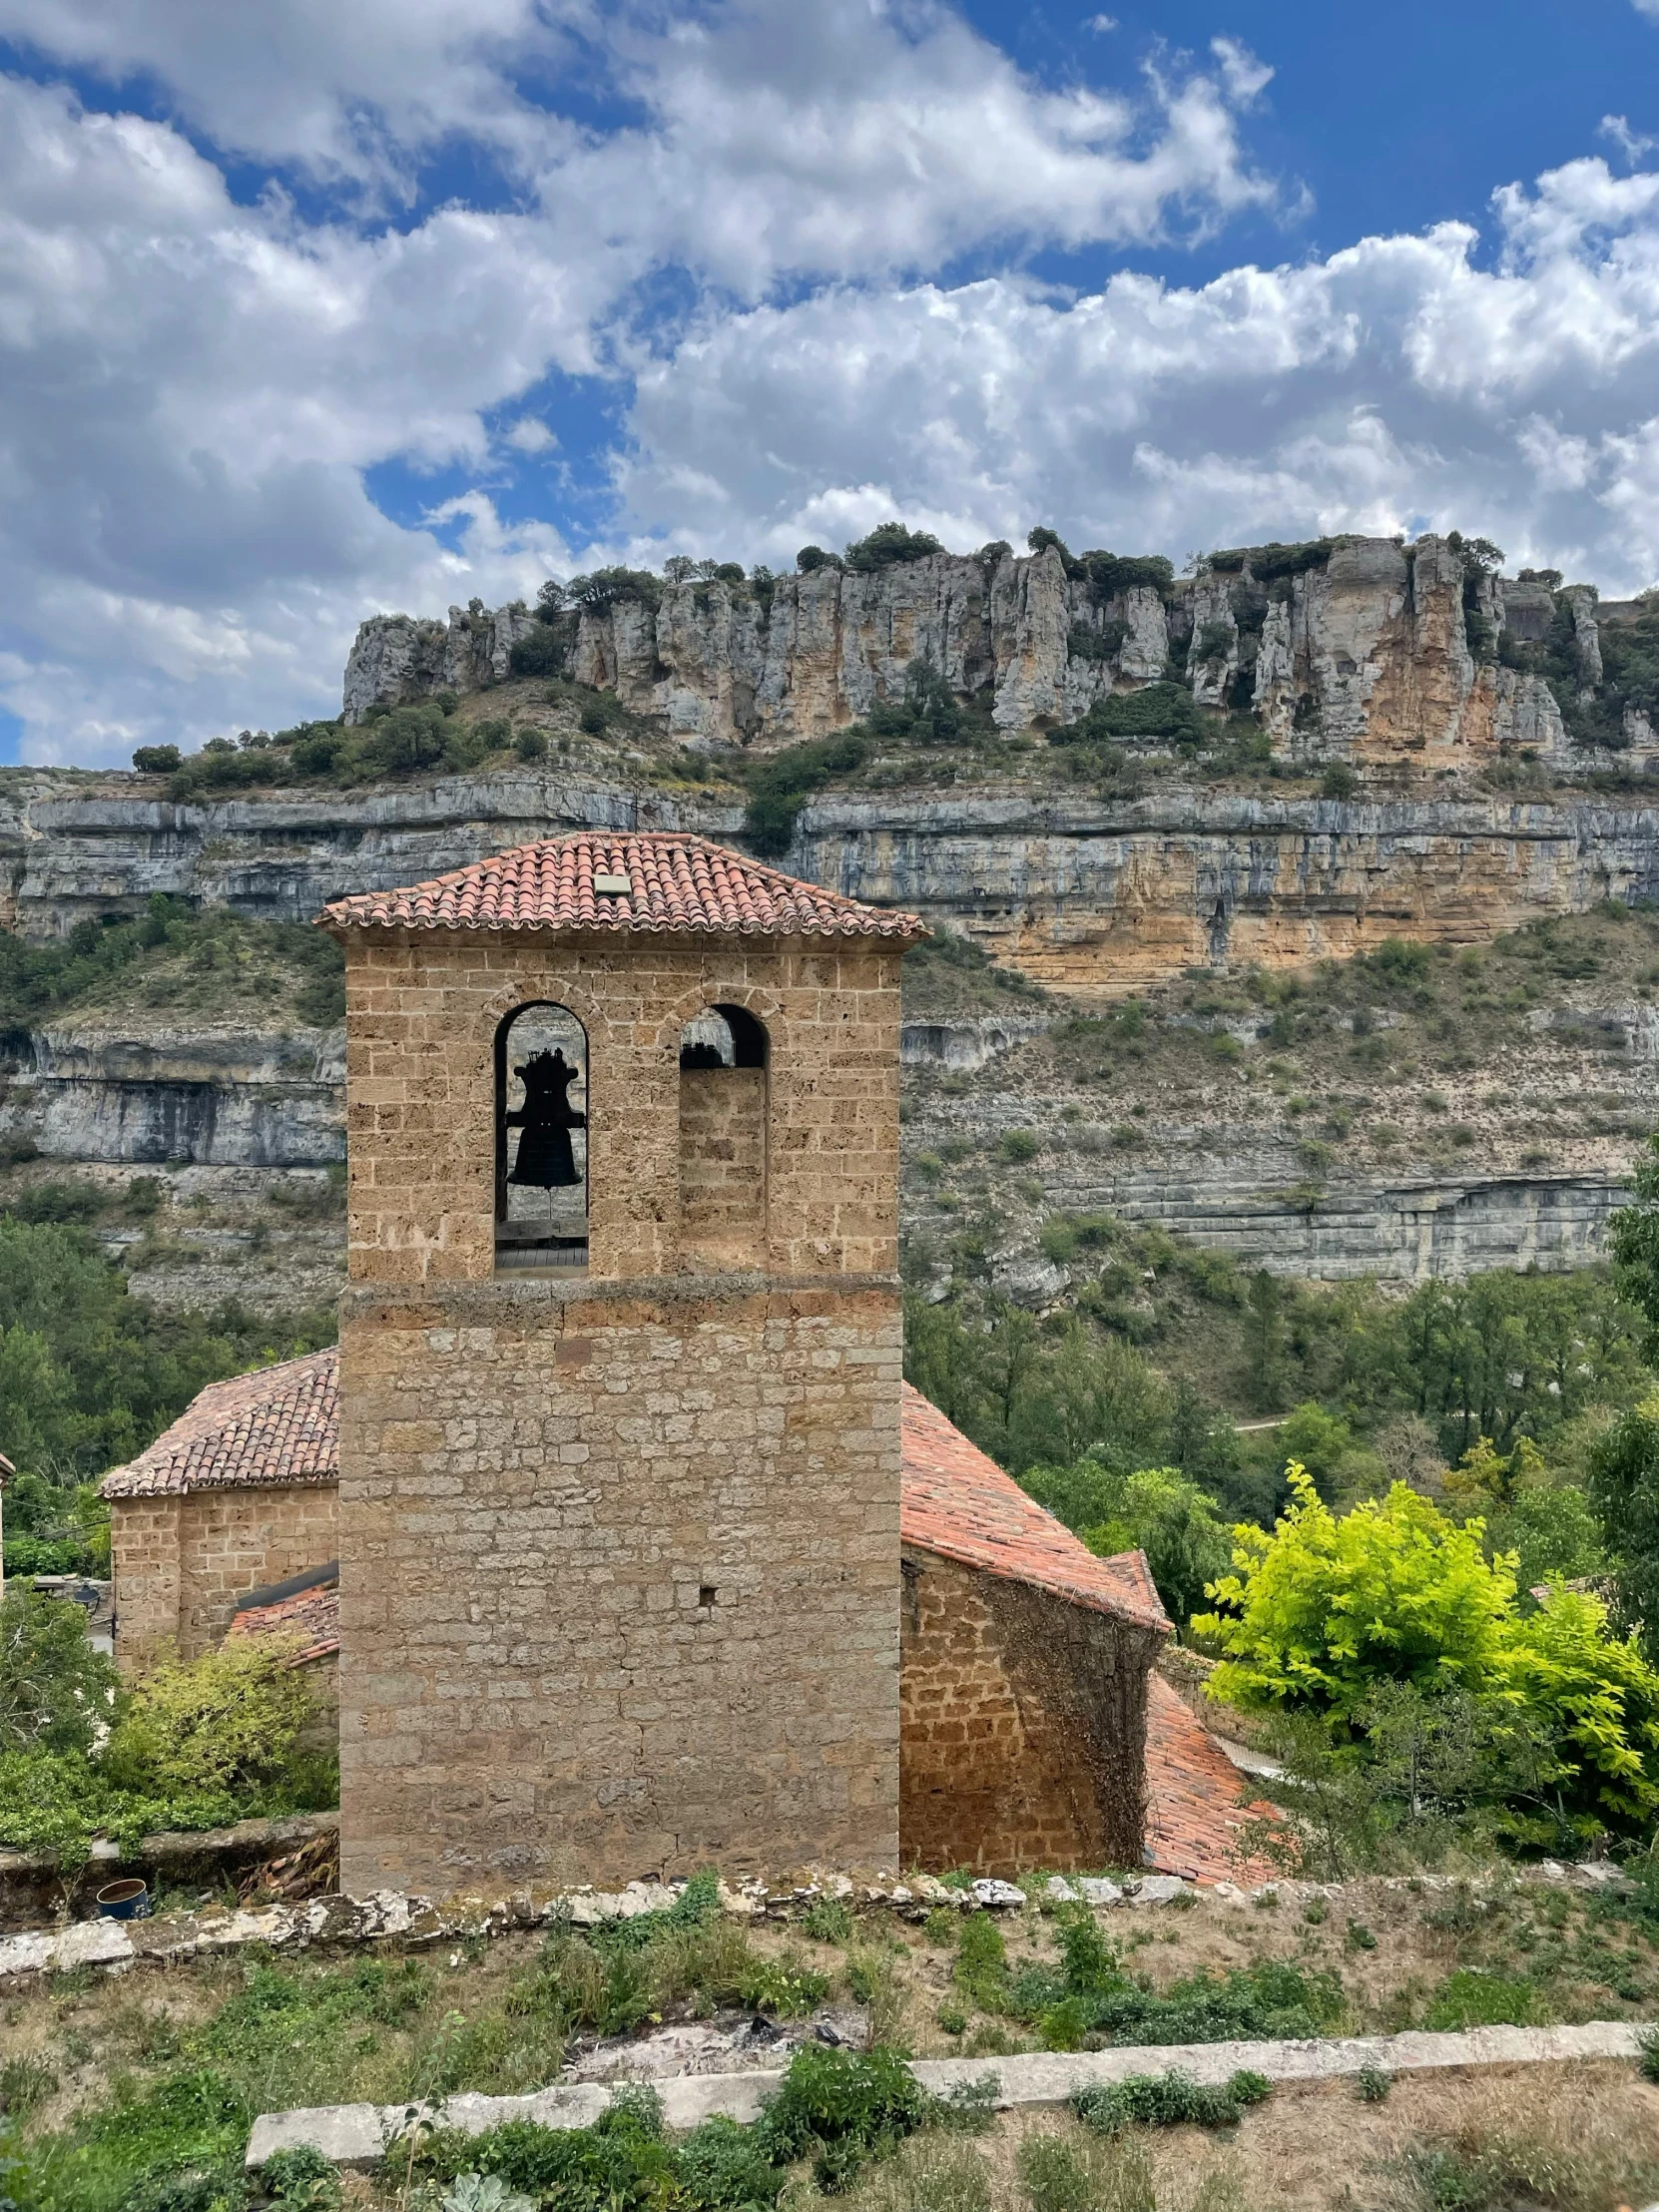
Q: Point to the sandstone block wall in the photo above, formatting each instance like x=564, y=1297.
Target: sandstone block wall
x=423, y=1008
x=1022, y=1723
x=619, y=1580
x=722, y=1159
x=180, y=1564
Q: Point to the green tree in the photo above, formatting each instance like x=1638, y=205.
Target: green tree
x=1326, y=1615
x=1178, y=1527
x=1633, y=1239
x=55, y=1689
x=1624, y=1491
x=1325, y=1607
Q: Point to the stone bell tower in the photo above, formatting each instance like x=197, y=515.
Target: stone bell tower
x=619, y=1371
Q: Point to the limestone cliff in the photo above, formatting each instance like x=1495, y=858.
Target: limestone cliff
x=1367, y=650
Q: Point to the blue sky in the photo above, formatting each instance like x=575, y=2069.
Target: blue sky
x=307, y=313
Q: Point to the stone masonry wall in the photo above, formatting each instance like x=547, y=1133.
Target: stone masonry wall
x=722, y=1156
x=422, y=1013
x=618, y=1582
x=181, y=1564
x=618, y=1554
x=1022, y=1721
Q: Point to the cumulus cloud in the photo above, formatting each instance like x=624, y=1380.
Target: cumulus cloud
x=747, y=259
x=1396, y=385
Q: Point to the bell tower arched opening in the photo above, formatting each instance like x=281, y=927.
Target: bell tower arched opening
x=541, y=1139
x=724, y=1057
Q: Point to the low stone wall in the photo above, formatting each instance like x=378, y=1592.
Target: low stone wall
x=34, y=1888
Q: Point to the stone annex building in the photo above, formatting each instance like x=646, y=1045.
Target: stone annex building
x=631, y=1547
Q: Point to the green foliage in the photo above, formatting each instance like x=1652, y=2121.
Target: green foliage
x=1270, y=561
x=1015, y=1146
x=1168, y=2100
x=814, y=557
x=1164, y=713
x=781, y=786
x=173, y=2146
x=191, y=1746
x=1324, y=1608
x=1157, y=1510
x=55, y=1689
x=836, y=2109
x=889, y=544
x=1562, y=1718
x=597, y=593
x=1108, y=574
x=156, y=760
x=841, y=2108
x=1633, y=1239
x=543, y=651
x=1272, y=1999
x=1469, y=1999
x=1624, y=1493
x=232, y=1721
x=981, y=1968
x=927, y=712
x=1372, y=2086
x=90, y=1375
x=1552, y=1532
x=827, y=1920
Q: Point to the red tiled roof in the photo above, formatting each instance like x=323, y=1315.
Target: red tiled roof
x=1195, y=1796
x=674, y=882
x=961, y=1505
x=278, y=1424
x=314, y=1614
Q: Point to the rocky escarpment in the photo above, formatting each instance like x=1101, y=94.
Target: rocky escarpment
x=1092, y=895
x=1363, y=650
x=150, y=1093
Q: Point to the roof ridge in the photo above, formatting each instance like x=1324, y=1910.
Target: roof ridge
x=620, y=881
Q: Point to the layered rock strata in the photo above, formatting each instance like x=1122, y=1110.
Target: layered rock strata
x=1096, y=897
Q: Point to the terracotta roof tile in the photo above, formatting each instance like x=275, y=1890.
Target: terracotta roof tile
x=278, y=1425
x=1195, y=1797
x=314, y=1614
x=674, y=882
x=959, y=1504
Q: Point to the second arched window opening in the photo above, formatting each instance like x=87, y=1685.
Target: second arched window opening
x=723, y=1139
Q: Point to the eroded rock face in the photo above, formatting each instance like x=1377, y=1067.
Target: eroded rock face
x=1362, y=650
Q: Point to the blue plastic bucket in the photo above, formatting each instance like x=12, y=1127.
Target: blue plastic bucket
x=123, y=1901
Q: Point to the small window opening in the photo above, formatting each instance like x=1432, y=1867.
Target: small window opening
x=705, y=1594
x=541, y=1140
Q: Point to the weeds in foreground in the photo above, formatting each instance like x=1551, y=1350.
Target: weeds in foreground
x=1056, y=2175
x=835, y=2111
x=1169, y=2100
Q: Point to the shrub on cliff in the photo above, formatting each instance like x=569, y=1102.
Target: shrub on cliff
x=541, y=652
x=597, y=593
x=781, y=786
x=886, y=546
x=156, y=760
x=1164, y=713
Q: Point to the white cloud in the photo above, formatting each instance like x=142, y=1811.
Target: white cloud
x=1616, y=128
x=197, y=388
x=1395, y=386
x=529, y=435
x=1104, y=23
x=1649, y=8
